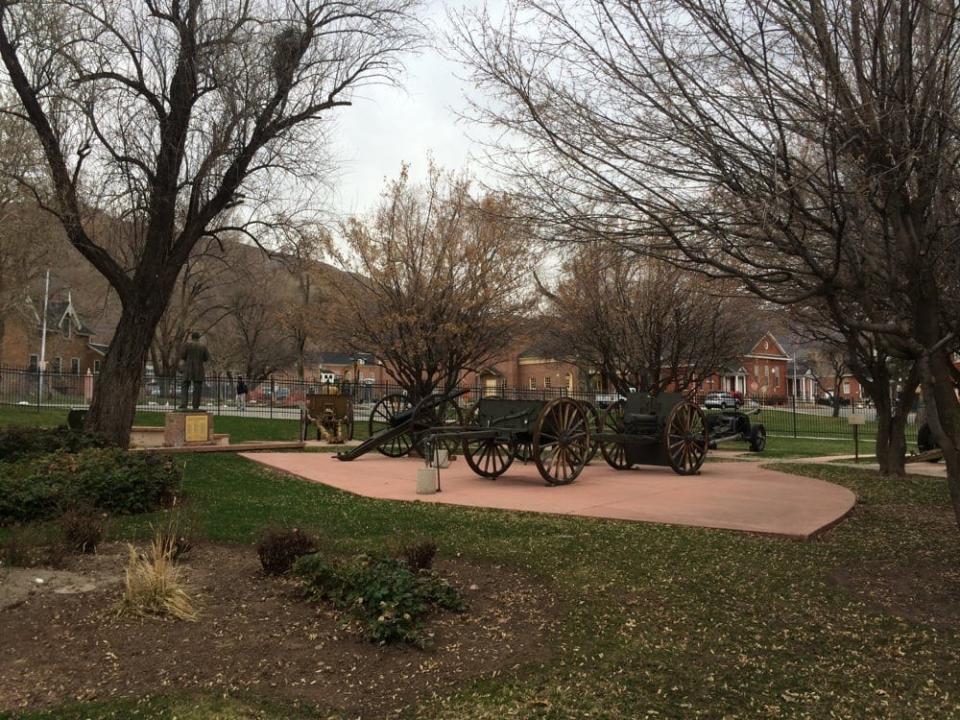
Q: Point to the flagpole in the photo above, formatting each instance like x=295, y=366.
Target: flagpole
x=43, y=335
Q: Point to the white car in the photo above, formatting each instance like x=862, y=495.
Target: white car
x=721, y=400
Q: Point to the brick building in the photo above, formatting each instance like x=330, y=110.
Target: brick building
x=70, y=349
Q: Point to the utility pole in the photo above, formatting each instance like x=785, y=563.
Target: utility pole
x=43, y=339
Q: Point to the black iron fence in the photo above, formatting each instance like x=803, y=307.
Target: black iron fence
x=283, y=397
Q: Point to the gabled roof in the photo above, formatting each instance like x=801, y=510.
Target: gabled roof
x=768, y=347
x=58, y=313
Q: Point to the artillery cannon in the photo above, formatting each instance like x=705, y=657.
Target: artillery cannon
x=664, y=430
x=396, y=426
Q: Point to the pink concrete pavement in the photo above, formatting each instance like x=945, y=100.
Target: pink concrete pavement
x=728, y=495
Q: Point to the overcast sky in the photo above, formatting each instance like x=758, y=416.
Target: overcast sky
x=387, y=126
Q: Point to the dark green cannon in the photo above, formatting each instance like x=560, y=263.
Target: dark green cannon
x=397, y=426
x=663, y=429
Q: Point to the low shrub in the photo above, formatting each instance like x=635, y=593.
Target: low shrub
x=19, y=443
x=279, y=549
x=152, y=584
x=419, y=554
x=82, y=530
x=388, y=598
x=106, y=479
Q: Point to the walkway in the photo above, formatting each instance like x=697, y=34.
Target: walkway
x=728, y=495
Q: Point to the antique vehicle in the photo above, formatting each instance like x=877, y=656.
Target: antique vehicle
x=561, y=435
x=554, y=434
x=662, y=429
x=928, y=449
x=397, y=427
x=332, y=415
x=733, y=425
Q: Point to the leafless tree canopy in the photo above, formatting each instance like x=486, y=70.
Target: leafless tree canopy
x=441, y=280
x=180, y=119
x=645, y=325
x=808, y=149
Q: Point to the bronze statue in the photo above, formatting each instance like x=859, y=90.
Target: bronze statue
x=192, y=358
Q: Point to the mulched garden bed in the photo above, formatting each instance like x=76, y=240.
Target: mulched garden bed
x=254, y=633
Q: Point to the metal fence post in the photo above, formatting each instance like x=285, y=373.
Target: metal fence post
x=273, y=392
x=219, y=390
x=794, y=403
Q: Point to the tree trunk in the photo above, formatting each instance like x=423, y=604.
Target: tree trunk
x=943, y=415
x=836, y=404
x=118, y=385
x=891, y=441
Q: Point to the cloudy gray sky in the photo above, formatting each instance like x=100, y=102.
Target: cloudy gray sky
x=387, y=125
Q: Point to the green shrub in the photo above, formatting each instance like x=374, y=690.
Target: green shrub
x=106, y=479
x=82, y=529
x=20, y=443
x=278, y=549
x=383, y=593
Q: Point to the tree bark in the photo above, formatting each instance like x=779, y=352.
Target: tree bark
x=943, y=416
x=117, y=388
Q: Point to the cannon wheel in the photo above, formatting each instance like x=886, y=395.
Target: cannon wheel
x=489, y=457
x=561, y=440
x=348, y=421
x=596, y=425
x=613, y=452
x=382, y=416
x=685, y=438
x=446, y=413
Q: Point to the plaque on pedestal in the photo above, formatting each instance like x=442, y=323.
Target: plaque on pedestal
x=188, y=428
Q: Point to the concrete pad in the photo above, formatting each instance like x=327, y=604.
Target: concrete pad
x=731, y=496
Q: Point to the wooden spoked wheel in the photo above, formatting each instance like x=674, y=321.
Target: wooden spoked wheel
x=348, y=423
x=382, y=417
x=612, y=422
x=685, y=438
x=445, y=414
x=596, y=425
x=524, y=451
x=561, y=440
x=489, y=457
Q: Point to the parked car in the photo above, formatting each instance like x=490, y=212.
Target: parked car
x=721, y=400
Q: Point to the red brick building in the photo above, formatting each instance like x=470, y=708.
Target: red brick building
x=70, y=349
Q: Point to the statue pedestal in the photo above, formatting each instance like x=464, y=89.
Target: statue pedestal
x=184, y=429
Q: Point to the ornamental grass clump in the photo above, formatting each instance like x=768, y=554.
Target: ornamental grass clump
x=152, y=585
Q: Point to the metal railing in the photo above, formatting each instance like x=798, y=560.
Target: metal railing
x=283, y=397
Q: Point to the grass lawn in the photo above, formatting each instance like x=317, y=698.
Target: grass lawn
x=658, y=621
x=782, y=422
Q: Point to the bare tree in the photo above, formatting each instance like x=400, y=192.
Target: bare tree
x=646, y=325
x=807, y=149
x=440, y=282
x=180, y=118
x=301, y=302
x=250, y=340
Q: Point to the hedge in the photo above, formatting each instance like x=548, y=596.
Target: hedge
x=108, y=479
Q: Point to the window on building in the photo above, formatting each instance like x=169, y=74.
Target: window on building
x=96, y=367
x=533, y=383
x=57, y=365
x=570, y=382
x=75, y=366
x=546, y=383
x=34, y=362
x=846, y=388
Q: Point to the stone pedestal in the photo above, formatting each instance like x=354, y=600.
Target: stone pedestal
x=184, y=429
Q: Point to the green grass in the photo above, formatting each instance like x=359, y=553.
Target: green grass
x=658, y=621
x=783, y=422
